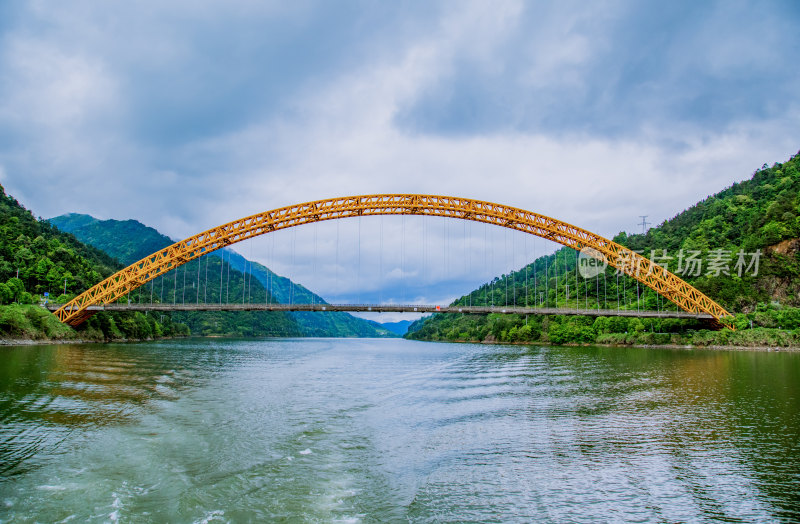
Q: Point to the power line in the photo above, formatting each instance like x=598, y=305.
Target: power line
x=644, y=223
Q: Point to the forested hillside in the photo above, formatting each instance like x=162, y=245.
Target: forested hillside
x=244, y=280
x=740, y=246
x=37, y=259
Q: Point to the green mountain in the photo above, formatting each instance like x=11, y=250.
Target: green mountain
x=37, y=260
x=130, y=240
x=113, y=236
x=740, y=246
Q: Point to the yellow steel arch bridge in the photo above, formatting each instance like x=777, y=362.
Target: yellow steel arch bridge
x=641, y=268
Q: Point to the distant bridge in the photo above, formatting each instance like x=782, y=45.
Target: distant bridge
x=628, y=262
x=397, y=308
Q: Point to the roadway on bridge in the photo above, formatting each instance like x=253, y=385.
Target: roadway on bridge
x=395, y=308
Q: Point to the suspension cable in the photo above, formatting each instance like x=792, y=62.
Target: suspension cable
x=546, y=283
x=337, y=258
x=577, y=282
x=205, y=286
x=444, y=247
x=556, y=266
x=314, y=263
x=250, y=280
x=513, y=269
x=597, y=289
x=486, y=269
x=637, y=296
x=625, y=291
x=527, y=266
x=535, y=288
x=271, y=275
x=403, y=258
x=505, y=256
x=294, y=253
x=464, y=246
x=492, y=270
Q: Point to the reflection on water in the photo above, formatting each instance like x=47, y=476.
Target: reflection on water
x=385, y=430
x=49, y=392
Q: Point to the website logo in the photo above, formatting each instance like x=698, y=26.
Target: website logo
x=591, y=262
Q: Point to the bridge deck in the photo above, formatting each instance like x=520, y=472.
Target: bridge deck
x=397, y=308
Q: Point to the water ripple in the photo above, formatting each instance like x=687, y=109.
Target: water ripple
x=388, y=430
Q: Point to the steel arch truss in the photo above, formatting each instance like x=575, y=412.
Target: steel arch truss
x=641, y=268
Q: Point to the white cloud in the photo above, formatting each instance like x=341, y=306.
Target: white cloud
x=55, y=90
x=602, y=184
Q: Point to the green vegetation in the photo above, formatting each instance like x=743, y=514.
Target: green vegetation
x=762, y=213
x=772, y=326
x=124, y=240
x=758, y=215
x=36, y=258
x=32, y=322
x=225, y=271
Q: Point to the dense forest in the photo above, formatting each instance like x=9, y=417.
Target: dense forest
x=740, y=246
x=37, y=259
x=224, y=275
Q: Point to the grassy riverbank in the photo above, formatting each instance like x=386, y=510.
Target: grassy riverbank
x=768, y=326
x=29, y=322
x=791, y=349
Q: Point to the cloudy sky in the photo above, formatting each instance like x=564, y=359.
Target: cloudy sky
x=187, y=114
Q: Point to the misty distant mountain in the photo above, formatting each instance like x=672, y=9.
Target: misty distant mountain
x=398, y=328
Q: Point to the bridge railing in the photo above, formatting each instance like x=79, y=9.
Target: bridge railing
x=396, y=308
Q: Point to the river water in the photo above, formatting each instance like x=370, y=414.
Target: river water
x=343, y=430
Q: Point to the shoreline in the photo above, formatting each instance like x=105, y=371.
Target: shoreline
x=689, y=347
x=686, y=347
x=7, y=342
x=34, y=342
